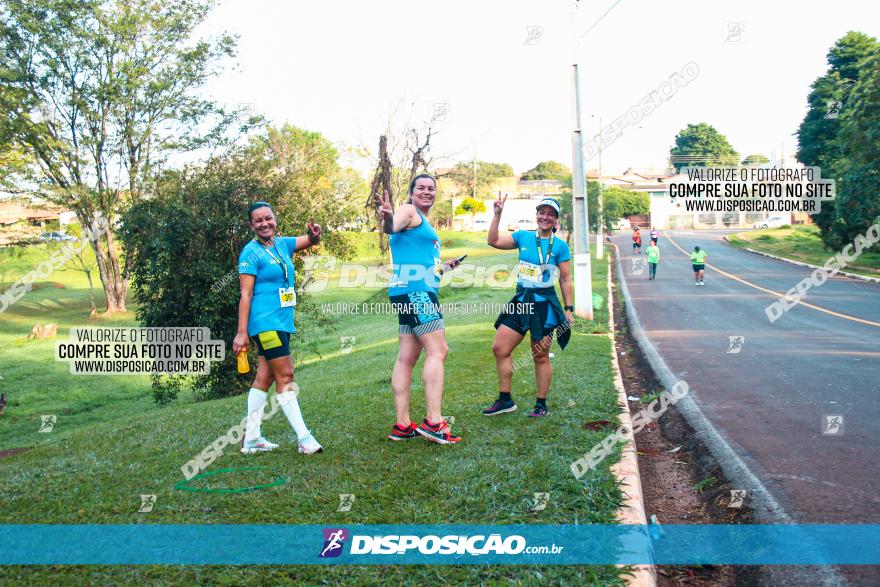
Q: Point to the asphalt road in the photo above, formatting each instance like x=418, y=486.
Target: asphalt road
x=770, y=400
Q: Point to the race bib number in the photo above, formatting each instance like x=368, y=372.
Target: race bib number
x=438, y=267
x=287, y=296
x=530, y=272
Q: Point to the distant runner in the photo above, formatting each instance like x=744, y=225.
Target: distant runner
x=653, y=253
x=698, y=258
x=637, y=240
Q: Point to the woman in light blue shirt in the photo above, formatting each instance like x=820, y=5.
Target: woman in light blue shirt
x=265, y=312
x=535, y=309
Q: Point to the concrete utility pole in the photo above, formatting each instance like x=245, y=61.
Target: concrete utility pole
x=583, y=285
x=600, y=228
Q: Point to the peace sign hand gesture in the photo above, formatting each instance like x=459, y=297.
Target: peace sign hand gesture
x=499, y=205
x=385, y=211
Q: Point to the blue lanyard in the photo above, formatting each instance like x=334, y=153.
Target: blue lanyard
x=278, y=258
x=549, y=247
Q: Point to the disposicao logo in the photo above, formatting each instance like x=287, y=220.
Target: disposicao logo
x=443, y=545
x=334, y=539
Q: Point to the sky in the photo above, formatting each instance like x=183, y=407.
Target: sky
x=501, y=71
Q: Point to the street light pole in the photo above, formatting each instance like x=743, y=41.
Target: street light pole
x=583, y=285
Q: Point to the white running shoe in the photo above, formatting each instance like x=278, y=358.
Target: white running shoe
x=309, y=445
x=249, y=447
x=701, y=283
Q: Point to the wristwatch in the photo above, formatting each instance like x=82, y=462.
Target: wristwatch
x=569, y=308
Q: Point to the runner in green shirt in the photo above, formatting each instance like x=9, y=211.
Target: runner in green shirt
x=653, y=253
x=698, y=258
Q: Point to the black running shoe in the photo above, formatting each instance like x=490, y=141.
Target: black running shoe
x=500, y=407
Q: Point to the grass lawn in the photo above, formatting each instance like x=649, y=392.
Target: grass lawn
x=111, y=443
x=37, y=384
x=802, y=243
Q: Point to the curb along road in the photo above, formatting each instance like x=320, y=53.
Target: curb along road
x=626, y=471
x=802, y=264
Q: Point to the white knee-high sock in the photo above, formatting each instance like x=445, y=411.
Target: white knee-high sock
x=290, y=406
x=255, y=406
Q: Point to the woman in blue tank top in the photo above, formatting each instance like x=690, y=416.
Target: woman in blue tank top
x=415, y=254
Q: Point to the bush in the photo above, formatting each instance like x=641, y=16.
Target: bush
x=178, y=246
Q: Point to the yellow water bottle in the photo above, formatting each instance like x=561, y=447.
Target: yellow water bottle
x=243, y=366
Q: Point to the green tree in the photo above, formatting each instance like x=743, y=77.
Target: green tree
x=701, y=145
x=623, y=202
x=818, y=135
x=463, y=175
x=593, y=204
x=548, y=170
x=350, y=190
x=565, y=213
x=99, y=93
x=616, y=203
x=13, y=166
x=755, y=159
x=470, y=206
x=858, y=189
x=304, y=176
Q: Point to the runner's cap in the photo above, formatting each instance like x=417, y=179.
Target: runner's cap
x=553, y=203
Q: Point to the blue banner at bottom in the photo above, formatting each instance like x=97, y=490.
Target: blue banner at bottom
x=40, y=544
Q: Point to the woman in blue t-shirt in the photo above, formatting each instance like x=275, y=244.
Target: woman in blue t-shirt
x=535, y=308
x=415, y=252
x=265, y=312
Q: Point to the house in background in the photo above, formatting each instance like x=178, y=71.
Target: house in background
x=22, y=221
x=12, y=212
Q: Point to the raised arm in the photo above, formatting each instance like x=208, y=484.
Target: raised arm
x=499, y=241
x=311, y=238
x=396, y=221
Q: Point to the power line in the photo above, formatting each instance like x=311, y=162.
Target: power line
x=604, y=14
